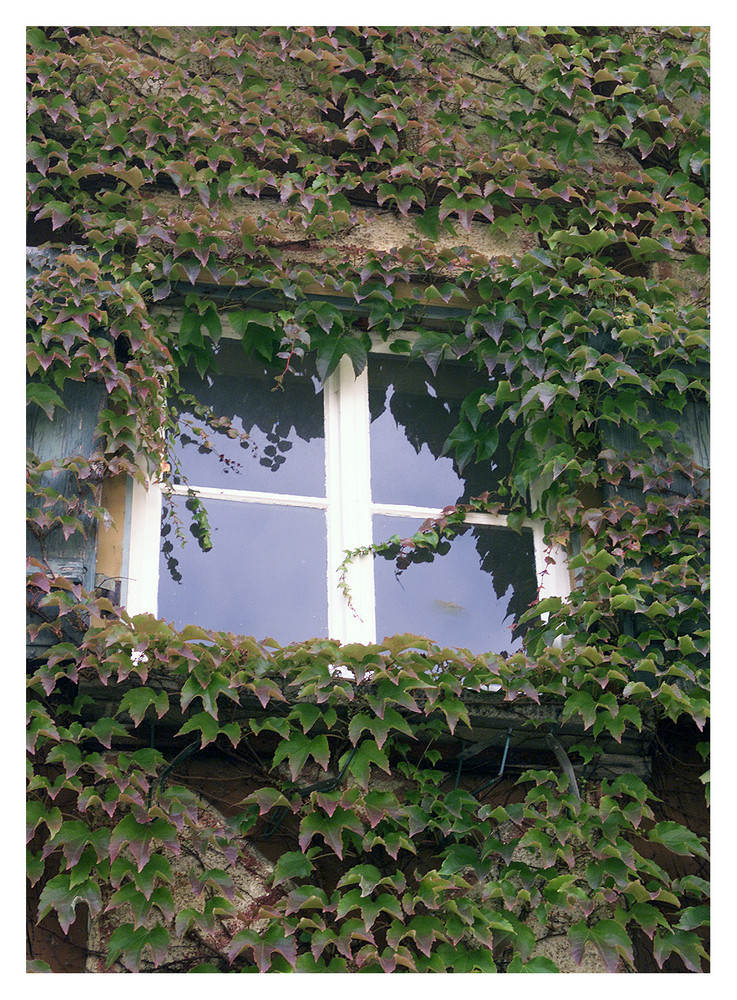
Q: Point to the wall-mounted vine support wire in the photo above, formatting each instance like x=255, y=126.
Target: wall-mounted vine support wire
x=563, y=759
x=497, y=777
x=476, y=749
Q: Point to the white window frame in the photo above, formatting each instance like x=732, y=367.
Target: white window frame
x=349, y=512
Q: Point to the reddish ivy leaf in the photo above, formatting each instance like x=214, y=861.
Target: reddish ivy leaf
x=377, y=805
x=140, y=836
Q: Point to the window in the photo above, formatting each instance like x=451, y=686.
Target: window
x=330, y=471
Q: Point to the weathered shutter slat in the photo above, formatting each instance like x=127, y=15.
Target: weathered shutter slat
x=693, y=431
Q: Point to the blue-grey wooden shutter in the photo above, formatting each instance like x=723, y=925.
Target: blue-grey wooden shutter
x=70, y=433
x=693, y=431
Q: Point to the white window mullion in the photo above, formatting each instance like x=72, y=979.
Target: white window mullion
x=553, y=577
x=141, y=568
x=348, y=480
x=406, y=510
x=248, y=496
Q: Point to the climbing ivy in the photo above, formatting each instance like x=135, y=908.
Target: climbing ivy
x=229, y=174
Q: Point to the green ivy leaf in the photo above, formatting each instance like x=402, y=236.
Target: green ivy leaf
x=428, y=223
x=158, y=867
x=204, y=724
x=329, y=353
x=694, y=916
x=62, y=897
x=331, y=828
x=72, y=836
x=360, y=761
x=34, y=867
x=264, y=947
x=45, y=397
x=127, y=944
x=580, y=703
x=137, y=701
x=266, y=799
x=37, y=965
x=538, y=964
x=140, y=836
x=257, y=330
x=686, y=944
x=379, y=728
x=609, y=938
x=648, y=917
x=307, y=715
x=460, y=958
x=297, y=749
x=368, y=877
x=293, y=864
x=36, y=813
x=678, y=839
x=458, y=857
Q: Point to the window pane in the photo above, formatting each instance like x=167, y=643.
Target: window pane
x=286, y=428
x=470, y=597
x=412, y=414
x=266, y=574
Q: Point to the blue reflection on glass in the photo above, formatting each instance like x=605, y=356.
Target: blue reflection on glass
x=266, y=574
x=285, y=452
x=413, y=411
x=469, y=597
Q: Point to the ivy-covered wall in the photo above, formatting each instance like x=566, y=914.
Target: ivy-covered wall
x=531, y=202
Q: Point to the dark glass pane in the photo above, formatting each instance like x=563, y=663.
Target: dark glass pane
x=286, y=428
x=470, y=596
x=266, y=574
x=412, y=414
